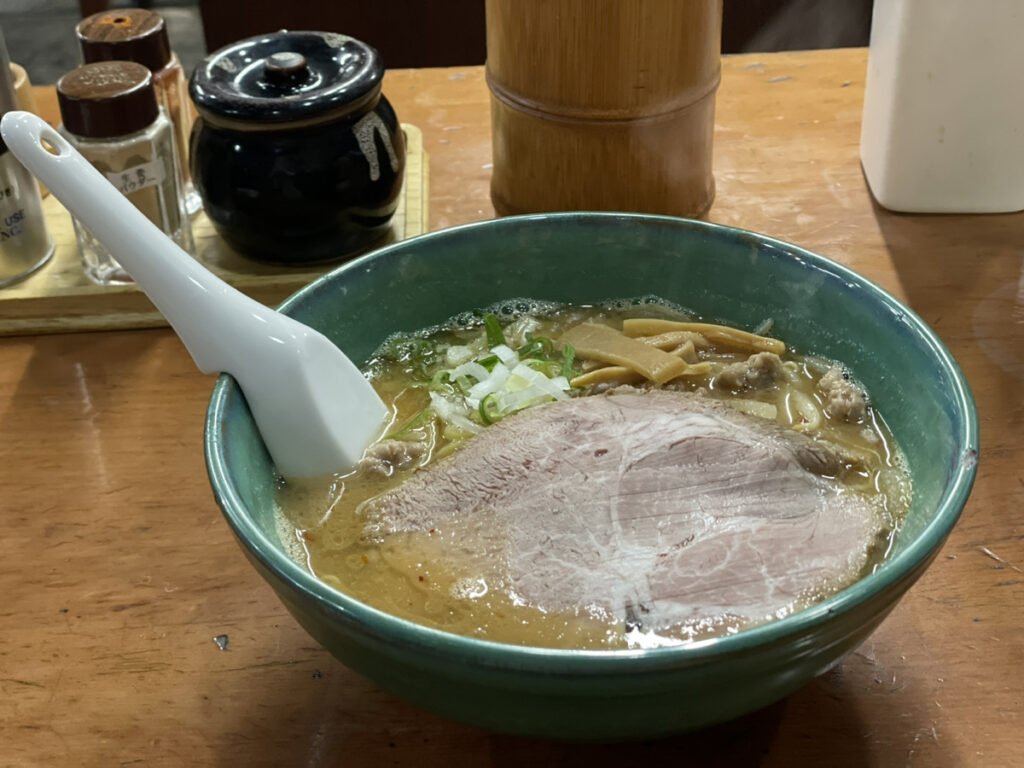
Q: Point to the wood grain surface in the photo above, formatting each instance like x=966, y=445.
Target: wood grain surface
x=117, y=571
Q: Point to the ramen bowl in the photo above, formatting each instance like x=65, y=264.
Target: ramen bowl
x=720, y=273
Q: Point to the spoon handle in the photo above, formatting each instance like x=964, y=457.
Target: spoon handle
x=314, y=408
x=192, y=299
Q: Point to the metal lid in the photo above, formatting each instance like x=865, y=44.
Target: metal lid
x=8, y=97
x=107, y=99
x=130, y=34
x=287, y=77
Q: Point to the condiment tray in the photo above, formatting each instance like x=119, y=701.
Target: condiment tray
x=59, y=297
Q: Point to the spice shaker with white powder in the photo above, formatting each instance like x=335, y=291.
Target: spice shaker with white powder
x=25, y=245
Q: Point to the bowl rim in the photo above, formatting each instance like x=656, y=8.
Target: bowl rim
x=393, y=630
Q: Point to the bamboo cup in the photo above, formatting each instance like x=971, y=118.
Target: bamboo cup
x=603, y=104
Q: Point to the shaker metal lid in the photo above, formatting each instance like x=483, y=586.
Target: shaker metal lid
x=8, y=96
x=107, y=99
x=287, y=77
x=129, y=34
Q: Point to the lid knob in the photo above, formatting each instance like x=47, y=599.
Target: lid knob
x=287, y=78
x=285, y=67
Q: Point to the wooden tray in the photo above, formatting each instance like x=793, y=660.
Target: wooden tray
x=60, y=298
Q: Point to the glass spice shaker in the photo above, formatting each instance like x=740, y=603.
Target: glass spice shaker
x=25, y=245
x=110, y=115
x=134, y=34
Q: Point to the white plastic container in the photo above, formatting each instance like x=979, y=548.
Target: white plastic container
x=943, y=128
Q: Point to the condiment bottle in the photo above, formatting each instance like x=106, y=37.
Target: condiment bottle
x=134, y=34
x=943, y=126
x=25, y=245
x=26, y=102
x=110, y=115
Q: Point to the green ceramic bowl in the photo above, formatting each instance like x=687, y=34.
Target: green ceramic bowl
x=721, y=273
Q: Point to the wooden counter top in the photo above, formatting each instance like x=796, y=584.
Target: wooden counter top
x=117, y=571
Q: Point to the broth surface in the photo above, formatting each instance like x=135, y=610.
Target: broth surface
x=449, y=579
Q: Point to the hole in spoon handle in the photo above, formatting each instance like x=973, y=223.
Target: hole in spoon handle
x=54, y=143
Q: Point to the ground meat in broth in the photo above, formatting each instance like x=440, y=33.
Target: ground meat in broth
x=762, y=370
x=844, y=400
x=385, y=457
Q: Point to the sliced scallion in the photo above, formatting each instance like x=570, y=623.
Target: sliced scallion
x=537, y=346
x=548, y=367
x=440, y=379
x=422, y=417
x=489, y=409
x=568, y=357
x=492, y=326
x=489, y=362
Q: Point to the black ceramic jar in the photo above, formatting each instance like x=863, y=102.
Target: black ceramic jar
x=296, y=153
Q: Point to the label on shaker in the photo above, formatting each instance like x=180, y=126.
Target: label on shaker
x=137, y=177
x=12, y=214
x=24, y=242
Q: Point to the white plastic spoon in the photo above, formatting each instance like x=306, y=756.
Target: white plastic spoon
x=315, y=410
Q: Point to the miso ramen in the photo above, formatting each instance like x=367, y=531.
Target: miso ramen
x=603, y=477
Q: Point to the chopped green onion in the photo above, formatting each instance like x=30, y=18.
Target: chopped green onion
x=422, y=417
x=568, y=357
x=537, y=346
x=489, y=409
x=492, y=326
x=530, y=349
x=440, y=379
x=489, y=362
x=548, y=367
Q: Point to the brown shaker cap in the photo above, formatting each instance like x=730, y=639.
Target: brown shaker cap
x=107, y=99
x=129, y=34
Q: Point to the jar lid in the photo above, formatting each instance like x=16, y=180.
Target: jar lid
x=287, y=77
x=107, y=99
x=130, y=34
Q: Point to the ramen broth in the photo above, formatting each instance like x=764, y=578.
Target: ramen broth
x=451, y=578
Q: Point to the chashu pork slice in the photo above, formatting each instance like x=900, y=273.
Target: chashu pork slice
x=658, y=508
